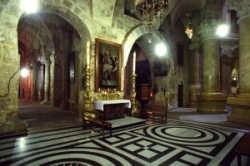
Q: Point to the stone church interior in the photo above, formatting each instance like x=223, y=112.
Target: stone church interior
x=124, y=82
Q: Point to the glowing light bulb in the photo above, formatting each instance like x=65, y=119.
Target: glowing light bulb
x=24, y=72
x=222, y=30
x=29, y=6
x=160, y=49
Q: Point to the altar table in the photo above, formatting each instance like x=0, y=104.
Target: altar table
x=112, y=108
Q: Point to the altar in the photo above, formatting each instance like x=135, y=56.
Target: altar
x=112, y=109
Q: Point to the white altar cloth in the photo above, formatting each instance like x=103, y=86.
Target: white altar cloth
x=99, y=104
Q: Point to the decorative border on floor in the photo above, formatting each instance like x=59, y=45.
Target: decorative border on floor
x=176, y=142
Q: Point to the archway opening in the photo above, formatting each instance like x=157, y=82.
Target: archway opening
x=46, y=45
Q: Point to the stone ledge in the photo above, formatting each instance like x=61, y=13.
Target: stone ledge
x=240, y=109
x=212, y=97
x=241, y=119
x=211, y=103
x=239, y=101
x=13, y=127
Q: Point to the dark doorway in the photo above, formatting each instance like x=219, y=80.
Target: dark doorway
x=180, y=95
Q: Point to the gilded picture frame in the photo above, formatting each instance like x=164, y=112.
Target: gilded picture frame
x=108, y=65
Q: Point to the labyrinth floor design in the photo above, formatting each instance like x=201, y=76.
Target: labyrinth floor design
x=174, y=143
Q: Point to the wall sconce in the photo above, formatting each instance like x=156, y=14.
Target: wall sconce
x=24, y=72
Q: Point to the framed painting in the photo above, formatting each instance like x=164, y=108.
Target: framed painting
x=108, y=65
x=160, y=68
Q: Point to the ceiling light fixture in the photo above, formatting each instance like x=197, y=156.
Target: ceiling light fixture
x=160, y=49
x=189, y=29
x=29, y=6
x=222, y=30
x=146, y=10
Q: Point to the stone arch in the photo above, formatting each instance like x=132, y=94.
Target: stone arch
x=34, y=33
x=12, y=12
x=137, y=32
x=134, y=34
x=10, y=59
x=83, y=29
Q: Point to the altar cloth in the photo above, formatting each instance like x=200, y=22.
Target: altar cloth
x=99, y=104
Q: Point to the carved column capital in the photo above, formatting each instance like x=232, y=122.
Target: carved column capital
x=209, y=21
x=225, y=60
x=194, y=45
x=226, y=51
x=52, y=58
x=47, y=60
x=207, y=31
x=241, y=6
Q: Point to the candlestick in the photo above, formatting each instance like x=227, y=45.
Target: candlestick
x=134, y=59
x=87, y=53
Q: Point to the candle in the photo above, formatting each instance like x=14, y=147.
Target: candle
x=87, y=53
x=134, y=59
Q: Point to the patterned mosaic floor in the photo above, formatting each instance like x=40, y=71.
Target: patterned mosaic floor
x=174, y=143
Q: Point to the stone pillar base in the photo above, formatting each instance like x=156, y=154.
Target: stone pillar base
x=194, y=91
x=212, y=102
x=13, y=127
x=45, y=102
x=240, y=109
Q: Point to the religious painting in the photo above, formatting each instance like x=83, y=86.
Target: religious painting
x=160, y=68
x=108, y=65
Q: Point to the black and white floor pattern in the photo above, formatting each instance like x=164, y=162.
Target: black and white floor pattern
x=176, y=143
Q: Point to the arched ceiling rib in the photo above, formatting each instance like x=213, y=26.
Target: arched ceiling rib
x=181, y=9
x=175, y=14
x=32, y=32
x=45, y=29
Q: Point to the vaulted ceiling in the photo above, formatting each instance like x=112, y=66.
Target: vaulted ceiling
x=44, y=29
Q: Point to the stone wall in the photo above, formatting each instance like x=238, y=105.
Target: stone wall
x=9, y=70
x=90, y=20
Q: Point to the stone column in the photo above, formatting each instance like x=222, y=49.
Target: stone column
x=226, y=68
x=211, y=100
x=33, y=81
x=40, y=80
x=34, y=87
x=81, y=79
x=46, y=99
x=52, y=78
x=65, y=83
x=194, y=78
x=241, y=103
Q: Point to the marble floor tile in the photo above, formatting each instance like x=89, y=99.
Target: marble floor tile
x=174, y=143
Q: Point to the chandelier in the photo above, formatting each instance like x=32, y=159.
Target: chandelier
x=189, y=29
x=146, y=10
